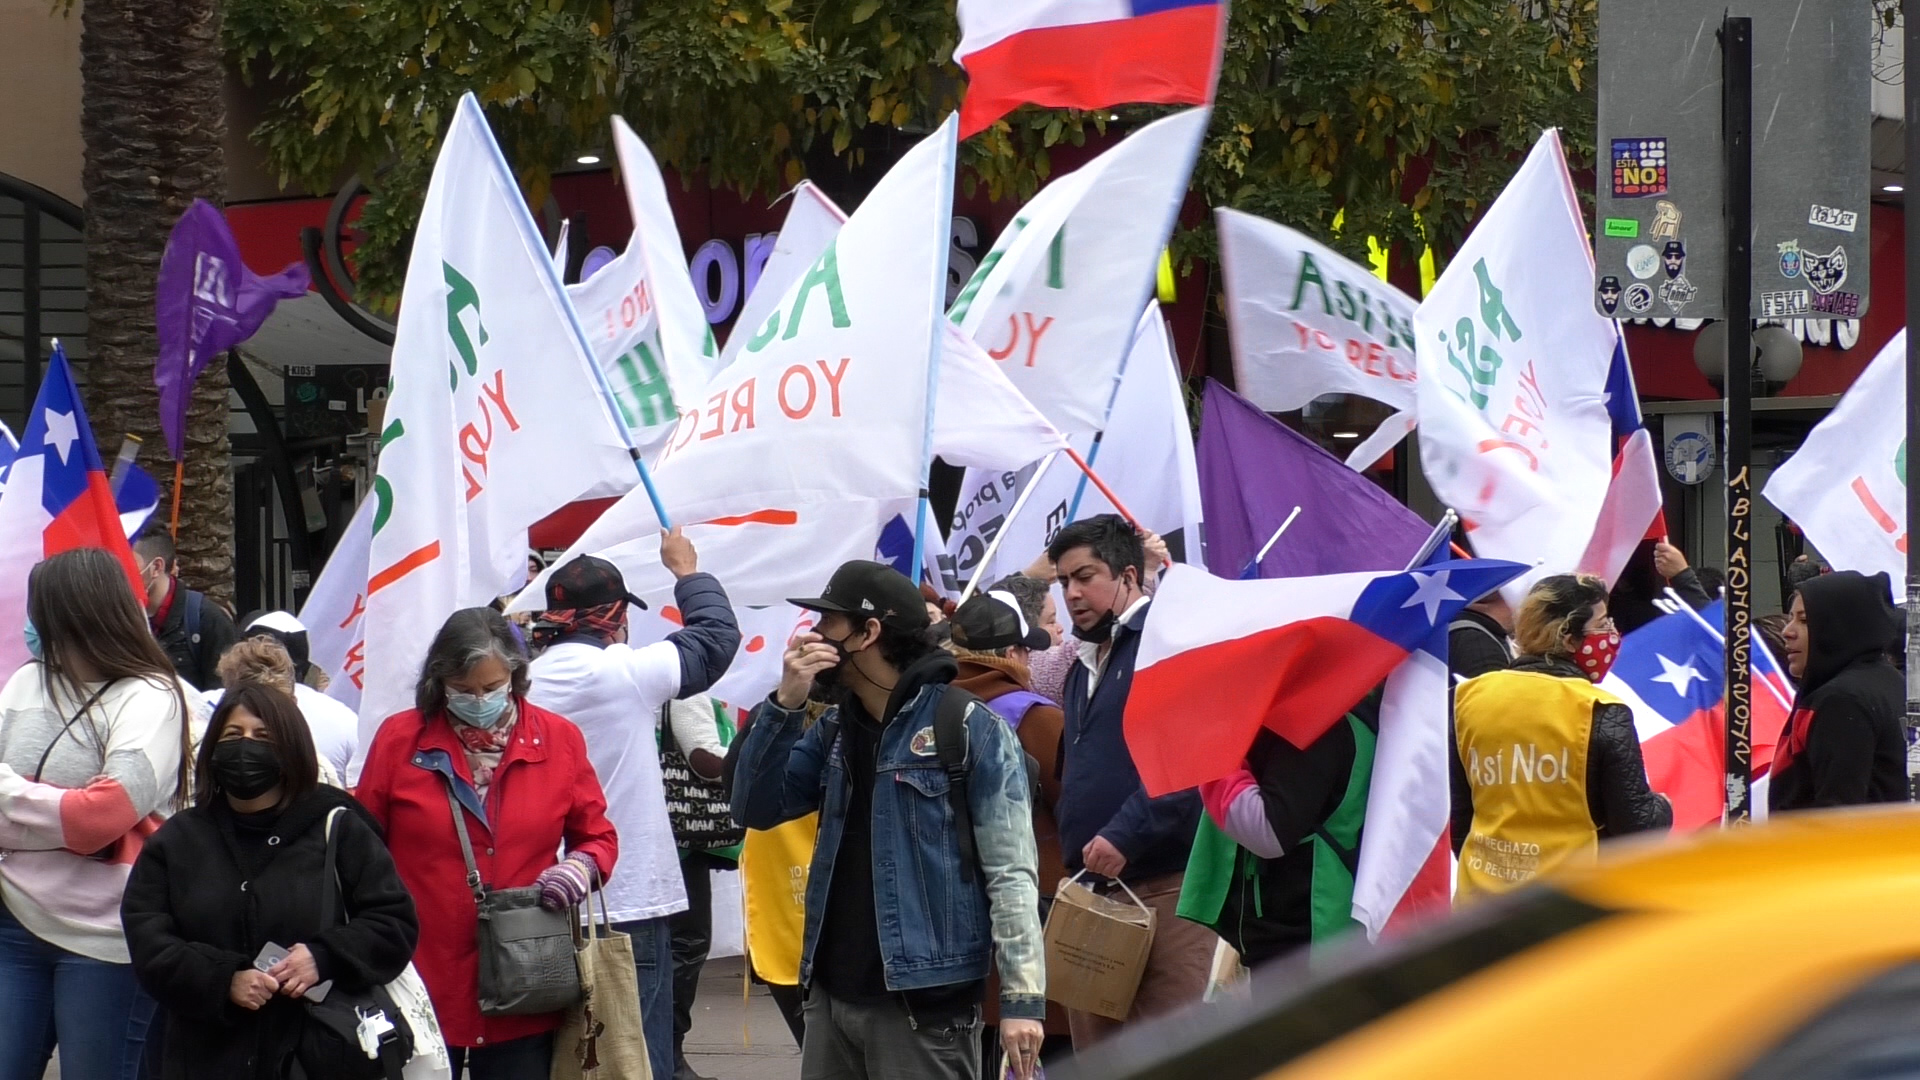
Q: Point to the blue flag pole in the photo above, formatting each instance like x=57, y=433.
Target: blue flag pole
x=949, y=132
x=535, y=243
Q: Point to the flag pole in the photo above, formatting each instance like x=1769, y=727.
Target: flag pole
x=179, y=479
x=945, y=200
x=1006, y=526
x=1088, y=474
x=537, y=244
x=1275, y=538
x=1435, y=538
x=1910, y=722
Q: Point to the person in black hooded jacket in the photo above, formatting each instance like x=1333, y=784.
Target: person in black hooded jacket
x=242, y=868
x=1843, y=744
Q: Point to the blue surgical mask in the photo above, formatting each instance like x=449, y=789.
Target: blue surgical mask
x=33, y=640
x=478, y=710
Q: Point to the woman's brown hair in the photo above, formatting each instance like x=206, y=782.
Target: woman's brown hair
x=83, y=605
x=287, y=731
x=259, y=660
x=1556, y=608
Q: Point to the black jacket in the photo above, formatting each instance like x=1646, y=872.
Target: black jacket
x=1476, y=644
x=1618, y=796
x=1100, y=789
x=196, y=656
x=1843, y=745
x=201, y=903
x=1269, y=906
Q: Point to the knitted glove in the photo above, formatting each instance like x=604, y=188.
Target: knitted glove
x=566, y=882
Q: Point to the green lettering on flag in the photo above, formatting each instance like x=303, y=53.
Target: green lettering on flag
x=646, y=399
x=461, y=295
x=1900, y=462
x=1057, y=260
x=1493, y=306
x=972, y=288
x=765, y=334
x=382, y=503
x=1310, y=272
x=1479, y=373
x=825, y=274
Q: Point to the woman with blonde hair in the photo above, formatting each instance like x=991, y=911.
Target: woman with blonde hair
x=264, y=661
x=1546, y=763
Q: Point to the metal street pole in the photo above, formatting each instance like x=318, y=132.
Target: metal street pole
x=1736, y=50
x=1911, y=16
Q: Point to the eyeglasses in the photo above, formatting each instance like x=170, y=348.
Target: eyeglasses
x=1602, y=626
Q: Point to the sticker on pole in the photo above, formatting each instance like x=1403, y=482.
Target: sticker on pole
x=1639, y=168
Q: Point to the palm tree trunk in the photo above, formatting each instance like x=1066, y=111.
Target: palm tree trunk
x=153, y=118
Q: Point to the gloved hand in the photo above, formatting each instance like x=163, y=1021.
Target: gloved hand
x=566, y=882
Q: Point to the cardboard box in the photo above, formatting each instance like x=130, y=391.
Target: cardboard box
x=1096, y=950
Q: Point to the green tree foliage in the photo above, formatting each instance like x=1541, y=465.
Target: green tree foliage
x=1324, y=105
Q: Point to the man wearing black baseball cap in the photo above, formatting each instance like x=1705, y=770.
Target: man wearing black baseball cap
x=617, y=694
x=941, y=842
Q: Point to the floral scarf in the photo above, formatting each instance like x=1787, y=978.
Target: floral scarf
x=485, y=746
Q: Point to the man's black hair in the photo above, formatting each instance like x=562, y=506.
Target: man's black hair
x=902, y=649
x=1109, y=538
x=155, y=545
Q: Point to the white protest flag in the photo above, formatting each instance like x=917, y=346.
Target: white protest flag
x=765, y=633
x=619, y=309
x=690, y=355
x=1309, y=321
x=1047, y=300
x=812, y=222
x=1514, y=429
x=980, y=419
x=335, y=611
x=495, y=421
x=1146, y=457
x=1846, y=487
x=795, y=457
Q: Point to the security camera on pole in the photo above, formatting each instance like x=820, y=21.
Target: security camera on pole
x=1756, y=209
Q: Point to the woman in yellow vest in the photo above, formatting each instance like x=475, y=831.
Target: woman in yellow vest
x=1547, y=763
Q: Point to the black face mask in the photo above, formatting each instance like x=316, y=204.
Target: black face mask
x=245, y=768
x=1102, y=632
x=827, y=683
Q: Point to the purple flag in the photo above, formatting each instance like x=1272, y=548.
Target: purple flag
x=1254, y=470
x=206, y=302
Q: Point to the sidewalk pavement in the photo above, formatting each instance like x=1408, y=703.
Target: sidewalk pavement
x=735, y=1038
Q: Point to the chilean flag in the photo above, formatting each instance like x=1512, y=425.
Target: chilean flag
x=1632, y=511
x=1219, y=659
x=57, y=499
x=1672, y=672
x=1086, y=54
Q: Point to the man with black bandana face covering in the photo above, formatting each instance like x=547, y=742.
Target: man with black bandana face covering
x=1108, y=825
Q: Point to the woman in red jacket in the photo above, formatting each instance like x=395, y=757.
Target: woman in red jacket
x=526, y=787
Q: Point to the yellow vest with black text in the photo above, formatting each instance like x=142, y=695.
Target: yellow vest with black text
x=1523, y=739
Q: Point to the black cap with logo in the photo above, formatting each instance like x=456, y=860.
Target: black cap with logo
x=994, y=620
x=870, y=590
x=586, y=582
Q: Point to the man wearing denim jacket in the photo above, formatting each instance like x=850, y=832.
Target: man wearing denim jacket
x=899, y=933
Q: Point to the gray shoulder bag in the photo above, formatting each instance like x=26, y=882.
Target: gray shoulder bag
x=526, y=952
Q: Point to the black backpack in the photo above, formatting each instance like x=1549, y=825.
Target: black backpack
x=950, y=742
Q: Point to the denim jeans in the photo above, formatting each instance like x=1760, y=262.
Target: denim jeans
x=530, y=1058
x=653, y=964
x=92, y=1010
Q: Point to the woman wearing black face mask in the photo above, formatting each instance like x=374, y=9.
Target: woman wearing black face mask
x=227, y=886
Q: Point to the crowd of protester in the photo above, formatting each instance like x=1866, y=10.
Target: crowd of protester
x=186, y=877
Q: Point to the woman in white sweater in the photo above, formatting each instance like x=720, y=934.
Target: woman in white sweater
x=94, y=755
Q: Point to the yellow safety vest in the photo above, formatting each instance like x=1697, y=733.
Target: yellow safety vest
x=773, y=873
x=1523, y=739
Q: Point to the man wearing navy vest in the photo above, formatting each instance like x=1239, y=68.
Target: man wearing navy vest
x=1108, y=825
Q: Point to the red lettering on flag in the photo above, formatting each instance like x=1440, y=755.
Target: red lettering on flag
x=1879, y=513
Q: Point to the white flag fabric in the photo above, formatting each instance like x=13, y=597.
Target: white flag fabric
x=812, y=222
x=1514, y=429
x=1309, y=321
x=1846, y=487
x=797, y=455
x=619, y=308
x=336, y=610
x=1146, y=457
x=980, y=420
x=690, y=355
x=765, y=633
x=495, y=421
x=1045, y=298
